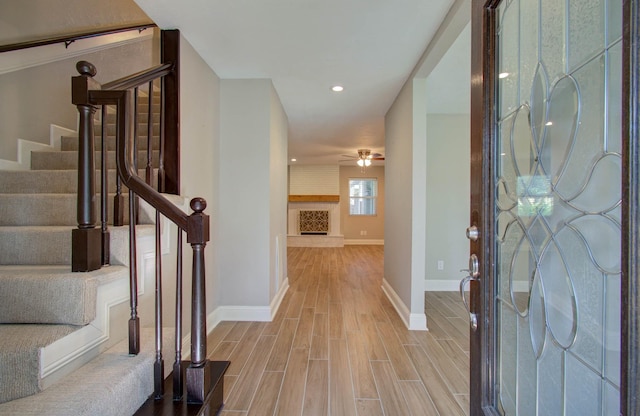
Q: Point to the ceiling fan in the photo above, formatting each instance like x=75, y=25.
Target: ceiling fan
x=364, y=157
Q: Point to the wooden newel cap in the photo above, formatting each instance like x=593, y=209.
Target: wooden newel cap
x=198, y=205
x=86, y=68
x=198, y=223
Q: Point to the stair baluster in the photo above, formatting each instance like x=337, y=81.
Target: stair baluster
x=158, y=367
x=149, y=167
x=177, y=364
x=104, y=192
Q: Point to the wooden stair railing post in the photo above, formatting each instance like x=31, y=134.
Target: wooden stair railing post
x=199, y=372
x=86, y=240
x=169, y=172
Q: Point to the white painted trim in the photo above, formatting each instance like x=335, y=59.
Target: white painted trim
x=277, y=299
x=413, y=321
x=441, y=285
x=247, y=313
x=238, y=313
x=363, y=242
x=81, y=346
x=418, y=322
x=25, y=147
x=26, y=58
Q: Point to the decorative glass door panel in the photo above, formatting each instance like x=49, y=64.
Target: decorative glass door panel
x=557, y=164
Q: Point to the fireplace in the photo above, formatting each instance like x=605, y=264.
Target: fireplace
x=313, y=222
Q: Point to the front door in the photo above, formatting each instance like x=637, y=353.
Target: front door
x=553, y=208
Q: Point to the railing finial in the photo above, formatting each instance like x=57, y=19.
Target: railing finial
x=86, y=68
x=198, y=204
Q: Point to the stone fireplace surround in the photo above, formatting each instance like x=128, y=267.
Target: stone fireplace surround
x=330, y=203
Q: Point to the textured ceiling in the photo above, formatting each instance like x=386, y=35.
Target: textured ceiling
x=306, y=46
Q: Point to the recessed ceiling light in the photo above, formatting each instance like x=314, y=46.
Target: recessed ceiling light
x=503, y=75
x=337, y=88
x=294, y=160
x=549, y=123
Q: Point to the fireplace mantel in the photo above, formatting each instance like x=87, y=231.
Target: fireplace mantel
x=314, y=198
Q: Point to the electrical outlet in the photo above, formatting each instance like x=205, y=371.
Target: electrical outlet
x=440, y=264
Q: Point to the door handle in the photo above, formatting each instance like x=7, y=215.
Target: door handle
x=473, y=318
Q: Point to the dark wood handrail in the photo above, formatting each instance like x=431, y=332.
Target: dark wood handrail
x=125, y=154
x=139, y=78
x=69, y=38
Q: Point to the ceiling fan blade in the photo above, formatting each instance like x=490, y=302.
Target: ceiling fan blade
x=376, y=155
x=377, y=158
x=350, y=156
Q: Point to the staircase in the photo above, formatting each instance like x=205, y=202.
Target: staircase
x=60, y=352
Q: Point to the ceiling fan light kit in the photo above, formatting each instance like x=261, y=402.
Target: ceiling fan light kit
x=364, y=158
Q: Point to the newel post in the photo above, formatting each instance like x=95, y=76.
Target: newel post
x=198, y=373
x=86, y=240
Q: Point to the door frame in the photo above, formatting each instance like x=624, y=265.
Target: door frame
x=483, y=341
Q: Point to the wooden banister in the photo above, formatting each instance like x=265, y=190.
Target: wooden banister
x=139, y=78
x=87, y=94
x=72, y=37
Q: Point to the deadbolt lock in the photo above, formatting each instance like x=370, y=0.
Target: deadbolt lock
x=473, y=233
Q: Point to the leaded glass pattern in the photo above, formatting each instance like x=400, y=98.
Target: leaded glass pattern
x=557, y=209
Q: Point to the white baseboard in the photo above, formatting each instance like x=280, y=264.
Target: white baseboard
x=277, y=299
x=442, y=285
x=247, y=313
x=363, y=242
x=413, y=321
x=25, y=147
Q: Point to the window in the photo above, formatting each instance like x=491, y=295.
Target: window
x=362, y=196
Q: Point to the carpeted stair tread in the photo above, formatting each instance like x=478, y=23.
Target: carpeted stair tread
x=35, y=245
x=69, y=159
x=51, y=294
x=142, y=129
x=142, y=118
x=52, y=209
x=19, y=356
x=62, y=181
x=113, y=384
x=71, y=143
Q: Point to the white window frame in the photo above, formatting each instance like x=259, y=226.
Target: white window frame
x=361, y=209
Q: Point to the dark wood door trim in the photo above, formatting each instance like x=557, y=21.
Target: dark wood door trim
x=482, y=97
x=630, y=386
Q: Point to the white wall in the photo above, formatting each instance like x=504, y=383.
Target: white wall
x=314, y=180
x=34, y=19
x=279, y=195
x=199, y=135
x=34, y=98
x=405, y=187
x=406, y=169
x=252, y=194
x=447, y=203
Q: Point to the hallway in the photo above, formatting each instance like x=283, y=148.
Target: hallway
x=337, y=347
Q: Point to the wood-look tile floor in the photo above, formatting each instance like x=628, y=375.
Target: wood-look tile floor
x=337, y=346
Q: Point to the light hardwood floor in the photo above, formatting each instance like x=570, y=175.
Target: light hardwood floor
x=337, y=346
